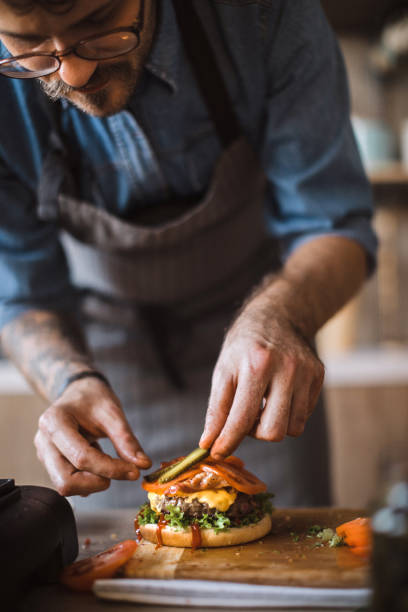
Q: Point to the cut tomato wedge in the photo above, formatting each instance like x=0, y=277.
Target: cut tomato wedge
x=230, y=469
x=357, y=535
x=80, y=576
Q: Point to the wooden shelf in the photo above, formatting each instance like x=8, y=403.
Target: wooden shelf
x=11, y=381
x=389, y=174
x=378, y=366
x=390, y=185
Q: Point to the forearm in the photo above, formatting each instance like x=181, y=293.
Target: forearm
x=267, y=359
x=48, y=348
x=316, y=281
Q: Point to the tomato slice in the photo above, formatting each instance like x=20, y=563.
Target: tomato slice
x=80, y=576
x=231, y=469
x=235, y=461
x=239, y=478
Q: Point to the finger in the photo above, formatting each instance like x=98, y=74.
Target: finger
x=254, y=427
x=66, y=479
x=274, y=420
x=299, y=409
x=95, y=444
x=316, y=388
x=219, y=405
x=126, y=444
x=84, y=457
x=243, y=413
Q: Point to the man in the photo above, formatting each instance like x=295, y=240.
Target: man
x=147, y=213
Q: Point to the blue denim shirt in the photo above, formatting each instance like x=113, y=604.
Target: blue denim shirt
x=286, y=77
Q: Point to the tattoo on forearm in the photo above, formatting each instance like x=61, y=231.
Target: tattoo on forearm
x=47, y=347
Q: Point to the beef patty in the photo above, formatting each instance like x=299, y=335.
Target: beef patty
x=242, y=506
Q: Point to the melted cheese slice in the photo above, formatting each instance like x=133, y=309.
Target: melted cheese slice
x=220, y=499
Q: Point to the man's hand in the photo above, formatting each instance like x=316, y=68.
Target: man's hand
x=266, y=383
x=66, y=440
x=49, y=347
x=268, y=378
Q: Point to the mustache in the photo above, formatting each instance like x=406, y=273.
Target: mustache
x=57, y=89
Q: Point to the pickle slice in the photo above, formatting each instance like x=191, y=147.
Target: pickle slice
x=171, y=471
x=178, y=468
x=155, y=475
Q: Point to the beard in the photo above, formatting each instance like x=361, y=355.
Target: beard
x=112, y=98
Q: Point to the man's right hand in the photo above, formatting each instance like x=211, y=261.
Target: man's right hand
x=66, y=440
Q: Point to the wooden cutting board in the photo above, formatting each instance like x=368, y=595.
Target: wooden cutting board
x=285, y=557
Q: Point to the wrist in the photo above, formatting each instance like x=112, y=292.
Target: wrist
x=82, y=375
x=280, y=300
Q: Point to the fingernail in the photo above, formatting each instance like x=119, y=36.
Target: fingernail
x=133, y=475
x=140, y=456
x=217, y=456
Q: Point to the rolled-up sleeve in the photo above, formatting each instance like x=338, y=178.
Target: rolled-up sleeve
x=33, y=269
x=317, y=185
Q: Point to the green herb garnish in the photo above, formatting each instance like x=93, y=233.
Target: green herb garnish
x=325, y=534
x=336, y=540
x=314, y=529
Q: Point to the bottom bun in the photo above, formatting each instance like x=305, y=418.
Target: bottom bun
x=183, y=537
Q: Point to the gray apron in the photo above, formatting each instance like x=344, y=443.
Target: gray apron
x=157, y=298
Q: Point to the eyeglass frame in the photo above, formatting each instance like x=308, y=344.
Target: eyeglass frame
x=73, y=49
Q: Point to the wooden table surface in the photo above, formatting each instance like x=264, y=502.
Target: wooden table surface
x=105, y=528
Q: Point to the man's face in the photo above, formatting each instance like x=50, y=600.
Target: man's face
x=100, y=88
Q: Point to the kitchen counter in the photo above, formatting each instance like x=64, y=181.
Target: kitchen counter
x=102, y=529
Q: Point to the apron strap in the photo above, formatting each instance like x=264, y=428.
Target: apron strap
x=57, y=170
x=57, y=174
x=208, y=76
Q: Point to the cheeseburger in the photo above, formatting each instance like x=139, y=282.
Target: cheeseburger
x=212, y=503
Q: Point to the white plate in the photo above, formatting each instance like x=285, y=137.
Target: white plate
x=226, y=594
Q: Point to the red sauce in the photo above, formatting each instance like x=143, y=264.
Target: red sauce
x=137, y=530
x=195, y=536
x=162, y=523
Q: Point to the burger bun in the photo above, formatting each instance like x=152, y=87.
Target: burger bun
x=182, y=538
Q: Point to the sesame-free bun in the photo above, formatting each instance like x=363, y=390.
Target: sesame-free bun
x=183, y=537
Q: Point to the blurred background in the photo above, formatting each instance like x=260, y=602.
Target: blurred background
x=365, y=347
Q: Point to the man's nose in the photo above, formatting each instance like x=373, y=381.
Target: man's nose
x=75, y=71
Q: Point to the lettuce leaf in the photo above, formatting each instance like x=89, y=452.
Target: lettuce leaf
x=146, y=515
x=264, y=502
x=175, y=518
x=220, y=521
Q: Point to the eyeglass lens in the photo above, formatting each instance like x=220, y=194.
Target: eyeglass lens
x=110, y=45
x=31, y=66
x=98, y=48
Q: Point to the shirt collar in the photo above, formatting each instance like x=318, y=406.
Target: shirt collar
x=165, y=56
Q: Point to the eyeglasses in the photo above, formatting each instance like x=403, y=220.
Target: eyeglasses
x=107, y=45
